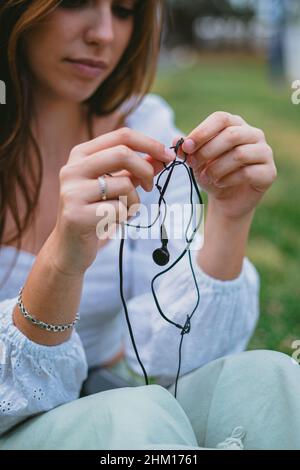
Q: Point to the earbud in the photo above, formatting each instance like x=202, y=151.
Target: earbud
x=161, y=256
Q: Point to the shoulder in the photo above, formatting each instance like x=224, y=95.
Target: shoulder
x=153, y=104
x=151, y=107
x=154, y=116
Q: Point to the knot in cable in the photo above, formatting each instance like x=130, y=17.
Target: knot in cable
x=179, y=143
x=187, y=326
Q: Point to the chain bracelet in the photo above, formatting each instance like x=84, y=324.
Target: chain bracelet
x=41, y=324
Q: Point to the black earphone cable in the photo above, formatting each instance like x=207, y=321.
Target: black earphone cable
x=125, y=306
x=187, y=326
x=189, y=241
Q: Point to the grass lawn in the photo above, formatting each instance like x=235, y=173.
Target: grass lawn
x=240, y=85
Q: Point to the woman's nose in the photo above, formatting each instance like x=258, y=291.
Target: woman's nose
x=101, y=30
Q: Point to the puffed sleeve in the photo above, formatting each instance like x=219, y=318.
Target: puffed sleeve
x=35, y=378
x=228, y=310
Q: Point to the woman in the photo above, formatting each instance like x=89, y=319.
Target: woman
x=76, y=72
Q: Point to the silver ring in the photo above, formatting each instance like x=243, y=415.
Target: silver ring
x=103, y=188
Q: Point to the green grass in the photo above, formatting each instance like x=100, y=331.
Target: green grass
x=241, y=86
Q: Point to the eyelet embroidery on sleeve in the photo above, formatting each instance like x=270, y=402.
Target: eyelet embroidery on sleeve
x=38, y=394
x=5, y=406
x=35, y=378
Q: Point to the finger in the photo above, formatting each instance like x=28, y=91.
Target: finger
x=133, y=203
x=118, y=158
x=115, y=187
x=124, y=190
x=157, y=168
x=208, y=129
x=225, y=141
x=135, y=140
x=259, y=177
x=91, y=214
x=238, y=157
x=124, y=173
x=108, y=215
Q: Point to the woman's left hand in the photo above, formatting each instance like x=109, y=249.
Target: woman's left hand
x=232, y=162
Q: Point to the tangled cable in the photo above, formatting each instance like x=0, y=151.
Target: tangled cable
x=161, y=255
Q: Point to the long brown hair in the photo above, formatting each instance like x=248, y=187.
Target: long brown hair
x=129, y=82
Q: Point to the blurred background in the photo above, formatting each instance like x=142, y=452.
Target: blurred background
x=242, y=56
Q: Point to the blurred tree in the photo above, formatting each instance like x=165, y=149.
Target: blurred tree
x=183, y=13
x=278, y=20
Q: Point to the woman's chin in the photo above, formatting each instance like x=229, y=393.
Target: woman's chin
x=79, y=96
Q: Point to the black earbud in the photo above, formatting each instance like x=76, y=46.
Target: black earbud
x=161, y=256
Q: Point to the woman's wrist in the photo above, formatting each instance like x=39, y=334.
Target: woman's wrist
x=62, y=256
x=224, y=247
x=51, y=297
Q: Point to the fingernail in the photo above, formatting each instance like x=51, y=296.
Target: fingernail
x=169, y=153
x=189, y=146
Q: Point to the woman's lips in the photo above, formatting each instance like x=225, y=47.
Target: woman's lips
x=87, y=70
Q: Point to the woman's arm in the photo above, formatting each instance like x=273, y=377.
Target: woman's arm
x=224, y=244
x=234, y=164
x=40, y=370
x=49, y=295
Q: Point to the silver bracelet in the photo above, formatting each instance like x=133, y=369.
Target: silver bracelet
x=41, y=324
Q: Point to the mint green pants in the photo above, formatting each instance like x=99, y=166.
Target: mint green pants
x=249, y=400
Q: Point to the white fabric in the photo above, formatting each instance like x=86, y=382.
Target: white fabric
x=36, y=378
x=33, y=377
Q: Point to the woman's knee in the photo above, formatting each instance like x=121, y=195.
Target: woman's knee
x=257, y=390
x=119, y=418
x=263, y=363
x=133, y=417
x=116, y=404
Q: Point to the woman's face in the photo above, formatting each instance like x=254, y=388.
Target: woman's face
x=76, y=31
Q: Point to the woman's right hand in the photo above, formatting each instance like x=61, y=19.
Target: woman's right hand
x=74, y=241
